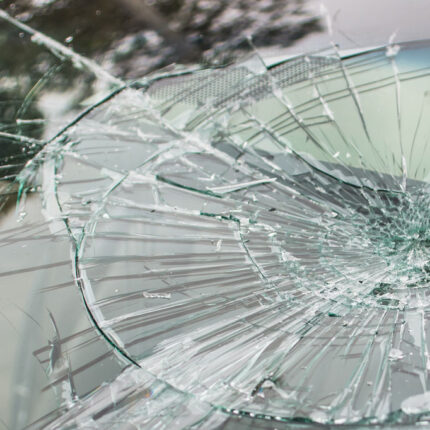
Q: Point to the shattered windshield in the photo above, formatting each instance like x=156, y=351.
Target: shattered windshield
x=239, y=241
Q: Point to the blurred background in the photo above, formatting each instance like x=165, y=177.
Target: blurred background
x=133, y=37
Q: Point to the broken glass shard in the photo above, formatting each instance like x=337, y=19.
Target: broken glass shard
x=225, y=248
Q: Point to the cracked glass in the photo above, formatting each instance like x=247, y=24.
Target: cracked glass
x=239, y=246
